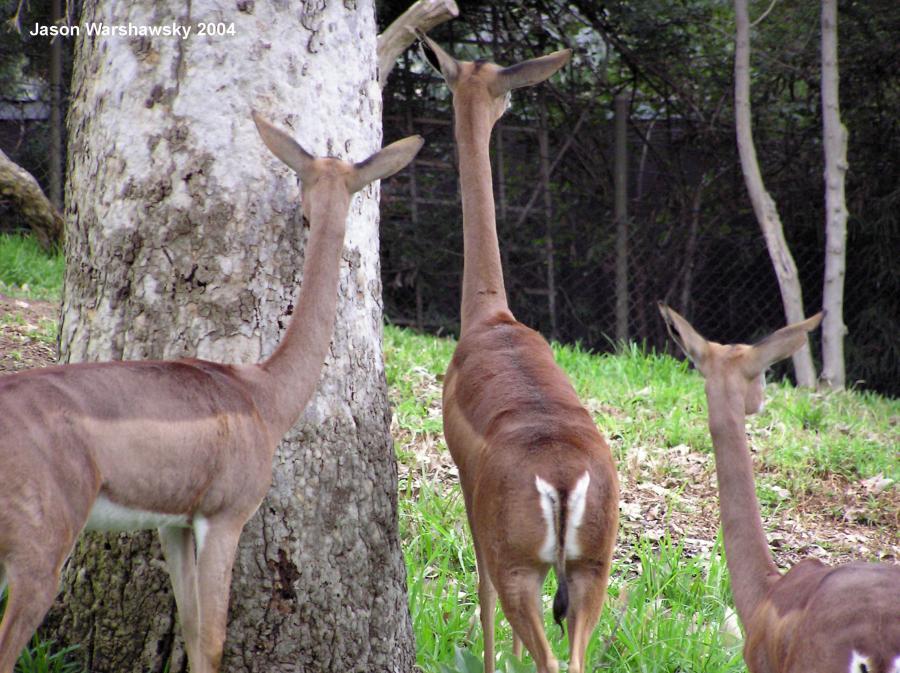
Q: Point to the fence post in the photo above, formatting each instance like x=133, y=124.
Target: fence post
x=56, y=113
x=620, y=169
x=544, y=145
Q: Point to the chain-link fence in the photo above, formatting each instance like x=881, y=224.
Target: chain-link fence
x=692, y=240
x=34, y=97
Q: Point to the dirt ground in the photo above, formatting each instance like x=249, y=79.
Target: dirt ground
x=836, y=523
x=830, y=525
x=841, y=521
x=21, y=323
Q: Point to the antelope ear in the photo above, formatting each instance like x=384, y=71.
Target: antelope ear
x=779, y=345
x=687, y=338
x=384, y=163
x=529, y=72
x=284, y=147
x=440, y=60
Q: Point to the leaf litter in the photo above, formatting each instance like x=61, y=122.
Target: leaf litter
x=663, y=490
x=672, y=490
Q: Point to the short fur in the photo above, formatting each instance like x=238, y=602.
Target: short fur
x=187, y=438
x=510, y=413
x=815, y=618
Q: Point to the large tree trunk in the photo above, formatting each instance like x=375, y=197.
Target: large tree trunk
x=835, y=142
x=763, y=203
x=185, y=237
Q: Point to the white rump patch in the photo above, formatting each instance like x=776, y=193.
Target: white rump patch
x=201, y=528
x=549, y=504
x=576, y=505
x=576, y=502
x=861, y=664
x=108, y=516
x=895, y=666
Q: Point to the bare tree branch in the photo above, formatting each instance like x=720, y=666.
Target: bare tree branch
x=424, y=15
x=764, y=14
x=19, y=185
x=763, y=204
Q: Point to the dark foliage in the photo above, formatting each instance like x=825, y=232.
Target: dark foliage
x=694, y=240
x=25, y=94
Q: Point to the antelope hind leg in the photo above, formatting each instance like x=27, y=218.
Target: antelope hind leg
x=215, y=561
x=179, y=549
x=587, y=592
x=520, y=596
x=32, y=588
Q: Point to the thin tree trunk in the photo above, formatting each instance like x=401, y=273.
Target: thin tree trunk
x=620, y=172
x=56, y=113
x=186, y=238
x=413, y=201
x=690, y=251
x=396, y=38
x=549, y=251
x=835, y=143
x=642, y=164
x=763, y=204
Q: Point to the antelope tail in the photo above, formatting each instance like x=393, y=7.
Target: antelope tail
x=561, y=599
x=563, y=512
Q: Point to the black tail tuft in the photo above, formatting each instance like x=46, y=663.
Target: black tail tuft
x=561, y=601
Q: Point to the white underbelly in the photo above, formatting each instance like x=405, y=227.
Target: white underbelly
x=108, y=516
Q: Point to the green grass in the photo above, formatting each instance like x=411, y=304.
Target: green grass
x=26, y=270
x=674, y=617
x=667, y=611
x=42, y=656
x=810, y=434
x=654, y=401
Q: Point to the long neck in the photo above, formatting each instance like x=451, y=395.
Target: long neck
x=296, y=364
x=746, y=548
x=483, y=292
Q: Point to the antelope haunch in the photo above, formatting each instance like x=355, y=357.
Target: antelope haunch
x=184, y=446
x=538, y=479
x=815, y=618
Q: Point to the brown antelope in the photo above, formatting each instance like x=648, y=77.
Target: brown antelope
x=815, y=618
x=184, y=446
x=538, y=479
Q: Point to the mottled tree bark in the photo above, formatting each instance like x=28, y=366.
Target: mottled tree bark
x=763, y=204
x=185, y=237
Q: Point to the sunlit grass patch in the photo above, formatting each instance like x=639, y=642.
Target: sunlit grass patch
x=42, y=656
x=26, y=270
x=669, y=608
